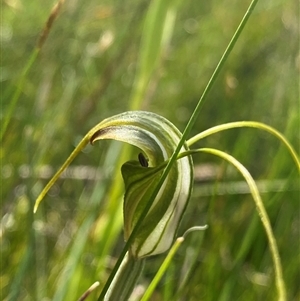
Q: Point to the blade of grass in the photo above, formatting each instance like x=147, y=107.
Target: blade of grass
x=167, y=261
x=79, y=243
x=73, y=258
x=23, y=267
x=162, y=269
x=19, y=87
x=151, y=48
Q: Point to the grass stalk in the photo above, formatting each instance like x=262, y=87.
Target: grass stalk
x=162, y=269
x=167, y=261
x=20, y=85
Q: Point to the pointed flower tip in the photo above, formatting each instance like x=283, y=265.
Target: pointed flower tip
x=35, y=207
x=37, y=203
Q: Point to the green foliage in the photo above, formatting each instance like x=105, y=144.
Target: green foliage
x=86, y=71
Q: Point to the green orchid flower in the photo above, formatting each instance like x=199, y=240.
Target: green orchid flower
x=157, y=138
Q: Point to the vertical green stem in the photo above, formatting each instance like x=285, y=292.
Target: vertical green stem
x=125, y=279
x=17, y=93
x=43, y=37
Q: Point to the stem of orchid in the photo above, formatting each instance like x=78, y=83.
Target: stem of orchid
x=127, y=275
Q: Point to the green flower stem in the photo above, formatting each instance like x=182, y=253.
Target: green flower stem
x=127, y=275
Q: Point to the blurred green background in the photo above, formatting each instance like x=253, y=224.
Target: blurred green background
x=88, y=69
